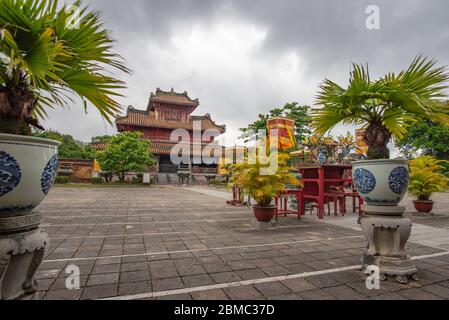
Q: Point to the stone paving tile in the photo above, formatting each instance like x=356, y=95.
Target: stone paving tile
x=107, y=268
x=215, y=294
x=60, y=283
x=197, y=280
x=418, y=294
x=298, y=284
x=98, y=292
x=134, y=276
x=191, y=270
x=344, y=292
x=167, y=284
x=323, y=281
x=109, y=222
x=224, y=277
x=251, y=274
x=275, y=271
x=63, y=295
x=183, y=296
x=134, y=288
x=316, y=294
x=243, y=293
x=438, y=290
x=272, y=288
x=100, y=279
x=162, y=273
x=389, y=296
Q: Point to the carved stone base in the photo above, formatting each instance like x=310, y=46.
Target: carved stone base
x=20, y=256
x=400, y=269
x=387, y=236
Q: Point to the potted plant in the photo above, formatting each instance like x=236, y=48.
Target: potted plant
x=46, y=54
x=253, y=181
x=345, y=145
x=382, y=106
x=425, y=179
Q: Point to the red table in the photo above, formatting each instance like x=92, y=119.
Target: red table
x=318, y=180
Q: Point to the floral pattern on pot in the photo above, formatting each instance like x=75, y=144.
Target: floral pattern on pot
x=10, y=173
x=398, y=180
x=321, y=158
x=364, y=181
x=49, y=175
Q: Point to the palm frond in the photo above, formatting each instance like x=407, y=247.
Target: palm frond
x=390, y=101
x=45, y=54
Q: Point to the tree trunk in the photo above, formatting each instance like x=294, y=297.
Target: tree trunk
x=16, y=110
x=377, y=138
x=122, y=176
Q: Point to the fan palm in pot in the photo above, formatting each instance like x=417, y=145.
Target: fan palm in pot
x=382, y=106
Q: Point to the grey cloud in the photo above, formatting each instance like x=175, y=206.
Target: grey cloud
x=326, y=36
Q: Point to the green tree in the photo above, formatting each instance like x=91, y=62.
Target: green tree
x=70, y=148
x=294, y=111
x=383, y=106
x=47, y=55
x=126, y=152
x=105, y=139
x=430, y=137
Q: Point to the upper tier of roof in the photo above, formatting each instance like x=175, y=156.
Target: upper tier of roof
x=172, y=97
x=141, y=118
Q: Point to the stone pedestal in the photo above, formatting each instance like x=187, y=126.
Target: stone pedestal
x=22, y=248
x=387, y=233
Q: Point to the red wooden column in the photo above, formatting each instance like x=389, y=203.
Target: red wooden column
x=321, y=192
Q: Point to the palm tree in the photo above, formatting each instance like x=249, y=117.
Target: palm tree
x=384, y=105
x=48, y=55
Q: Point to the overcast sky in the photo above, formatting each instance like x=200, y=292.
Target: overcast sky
x=244, y=57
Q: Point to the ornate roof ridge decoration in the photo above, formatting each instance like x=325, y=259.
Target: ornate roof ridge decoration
x=208, y=117
x=144, y=118
x=173, y=97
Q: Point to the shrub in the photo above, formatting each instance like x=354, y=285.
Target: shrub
x=138, y=179
x=62, y=180
x=97, y=180
x=217, y=182
x=426, y=177
x=260, y=186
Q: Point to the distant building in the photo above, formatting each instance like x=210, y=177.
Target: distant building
x=166, y=112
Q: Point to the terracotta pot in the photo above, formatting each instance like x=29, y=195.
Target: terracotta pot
x=424, y=206
x=264, y=214
x=381, y=182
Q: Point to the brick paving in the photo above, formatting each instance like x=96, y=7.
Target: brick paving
x=175, y=243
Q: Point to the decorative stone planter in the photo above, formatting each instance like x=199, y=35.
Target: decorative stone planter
x=184, y=177
x=28, y=167
x=381, y=182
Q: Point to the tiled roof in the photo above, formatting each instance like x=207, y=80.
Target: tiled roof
x=148, y=119
x=156, y=147
x=173, y=98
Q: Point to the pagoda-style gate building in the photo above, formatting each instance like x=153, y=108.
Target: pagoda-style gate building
x=166, y=112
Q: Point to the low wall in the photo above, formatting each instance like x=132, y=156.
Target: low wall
x=82, y=169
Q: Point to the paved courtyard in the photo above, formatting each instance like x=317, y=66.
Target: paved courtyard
x=185, y=243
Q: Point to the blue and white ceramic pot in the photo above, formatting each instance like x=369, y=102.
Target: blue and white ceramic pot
x=381, y=182
x=28, y=168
